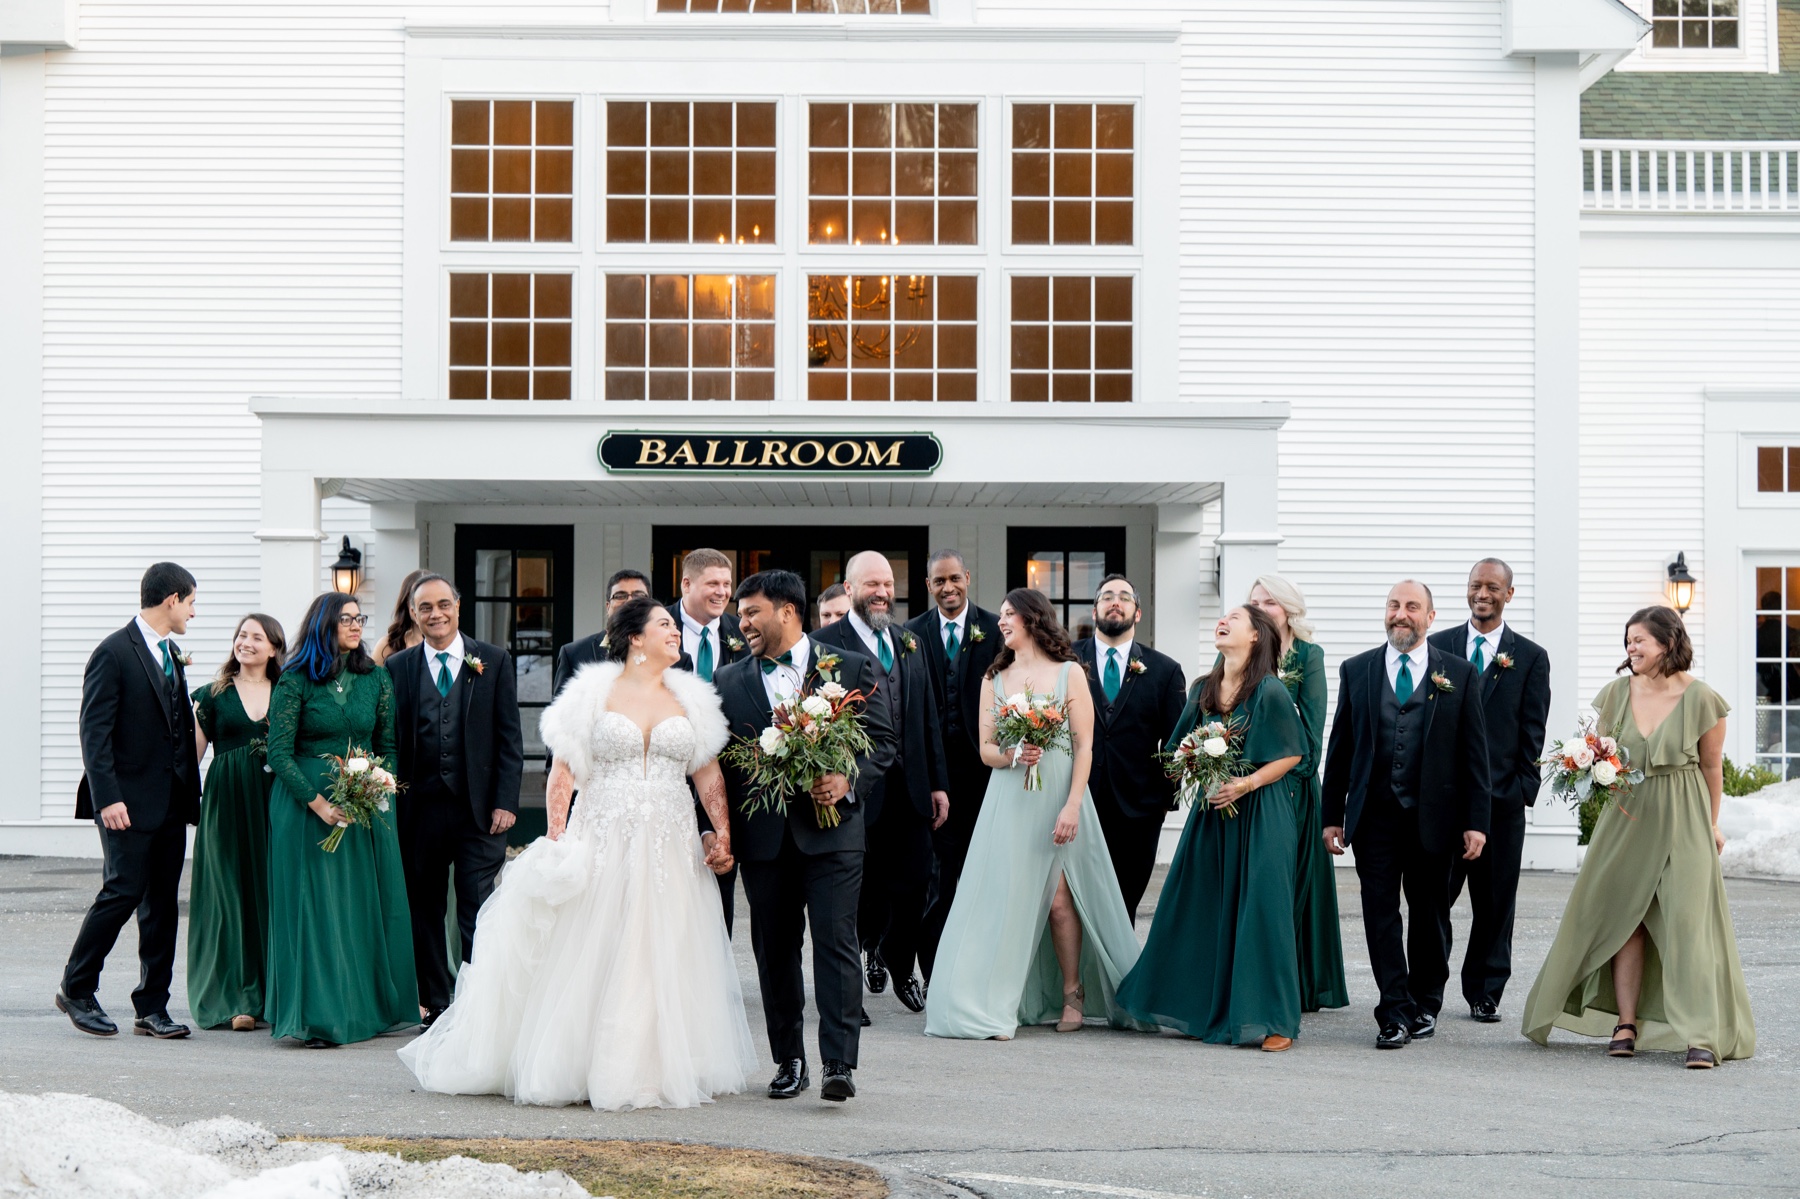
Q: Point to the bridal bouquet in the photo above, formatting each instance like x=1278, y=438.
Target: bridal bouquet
x=1027, y=719
x=1590, y=770
x=815, y=733
x=1206, y=759
x=359, y=789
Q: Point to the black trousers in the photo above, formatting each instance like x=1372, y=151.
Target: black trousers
x=950, y=845
x=785, y=895
x=1410, y=970
x=1493, y=881
x=142, y=874
x=437, y=832
x=896, y=882
x=728, y=897
x=1131, y=842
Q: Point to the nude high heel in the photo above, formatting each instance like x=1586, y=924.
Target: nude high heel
x=1073, y=997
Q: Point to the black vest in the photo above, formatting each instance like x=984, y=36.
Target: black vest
x=1400, y=744
x=438, y=735
x=896, y=693
x=956, y=678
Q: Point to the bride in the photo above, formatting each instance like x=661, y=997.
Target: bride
x=601, y=969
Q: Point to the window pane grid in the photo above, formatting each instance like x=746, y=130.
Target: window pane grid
x=1071, y=338
x=690, y=337
x=892, y=174
x=1694, y=24
x=510, y=336
x=512, y=170
x=1778, y=468
x=891, y=337
x=1072, y=174
x=1778, y=669
x=692, y=172
x=892, y=8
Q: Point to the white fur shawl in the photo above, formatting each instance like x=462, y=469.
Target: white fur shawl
x=567, y=726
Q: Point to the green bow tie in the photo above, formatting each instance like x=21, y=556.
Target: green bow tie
x=769, y=664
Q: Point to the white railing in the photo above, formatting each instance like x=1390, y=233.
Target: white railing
x=1729, y=177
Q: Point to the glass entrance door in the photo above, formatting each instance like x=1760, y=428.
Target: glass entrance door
x=516, y=583
x=817, y=553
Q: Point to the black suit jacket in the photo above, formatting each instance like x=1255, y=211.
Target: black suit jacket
x=137, y=736
x=572, y=657
x=974, y=658
x=747, y=713
x=493, y=747
x=1131, y=731
x=912, y=714
x=1515, y=703
x=1453, y=776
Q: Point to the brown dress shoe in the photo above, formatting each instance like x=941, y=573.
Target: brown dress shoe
x=1274, y=1043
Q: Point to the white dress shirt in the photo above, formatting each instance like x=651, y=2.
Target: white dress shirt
x=871, y=638
x=1101, y=650
x=153, y=639
x=1419, y=656
x=690, y=637
x=1489, y=647
x=783, y=683
x=454, y=663
x=960, y=622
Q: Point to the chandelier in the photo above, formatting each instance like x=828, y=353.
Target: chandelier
x=832, y=298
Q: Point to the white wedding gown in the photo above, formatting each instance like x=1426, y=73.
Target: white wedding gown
x=601, y=969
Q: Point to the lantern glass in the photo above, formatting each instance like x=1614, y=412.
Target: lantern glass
x=1681, y=594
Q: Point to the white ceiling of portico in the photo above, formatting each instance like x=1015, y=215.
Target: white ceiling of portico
x=769, y=493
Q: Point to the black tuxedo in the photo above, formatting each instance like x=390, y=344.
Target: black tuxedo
x=733, y=648
x=897, y=867
x=1404, y=781
x=956, y=689
x=1515, y=702
x=137, y=748
x=572, y=657
x=1131, y=793
x=796, y=873
x=459, y=757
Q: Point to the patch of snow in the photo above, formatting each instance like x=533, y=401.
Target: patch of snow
x=1762, y=831
x=57, y=1146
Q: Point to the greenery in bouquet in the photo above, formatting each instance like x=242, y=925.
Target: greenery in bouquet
x=359, y=788
x=1029, y=719
x=816, y=733
x=1206, y=759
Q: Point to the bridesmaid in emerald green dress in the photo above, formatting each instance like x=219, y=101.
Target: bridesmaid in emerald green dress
x=1645, y=948
x=228, y=903
x=1220, y=962
x=340, y=934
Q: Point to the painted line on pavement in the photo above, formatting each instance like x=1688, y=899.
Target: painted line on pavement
x=1085, y=1188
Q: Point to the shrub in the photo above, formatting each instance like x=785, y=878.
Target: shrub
x=1751, y=778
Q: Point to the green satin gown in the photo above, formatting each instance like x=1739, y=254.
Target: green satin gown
x=228, y=904
x=1653, y=863
x=1220, y=962
x=340, y=936
x=1318, y=939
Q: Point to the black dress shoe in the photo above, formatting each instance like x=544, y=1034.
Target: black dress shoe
x=876, y=973
x=910, y=993
x=839, y=1085
x=1392, y=1036
x=431, y=1016
x=790, y=1079
x=866, y=1022
x=158, y=1025
x=86, y=1015
x=1423, y=1026
x=1485, y=1012
x=318, y=1043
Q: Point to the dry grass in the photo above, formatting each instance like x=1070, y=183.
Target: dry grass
x=654, y=1169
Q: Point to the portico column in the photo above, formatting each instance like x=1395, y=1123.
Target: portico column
x=1249, y=538
x=1183, y=569
x=393, y=552
x=290, y=538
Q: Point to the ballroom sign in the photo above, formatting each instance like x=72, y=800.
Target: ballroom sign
x=638, y=452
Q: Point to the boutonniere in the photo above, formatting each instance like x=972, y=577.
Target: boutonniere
x=977, y=634
x=1440, y=682
x=473, y=663
x=1135, y=666
x=734, y=644
x=1503, y=661
x=909, y=643
x=826, y=667
x=183, y=657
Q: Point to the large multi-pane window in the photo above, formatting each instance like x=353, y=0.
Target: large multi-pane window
x=695, y=172
x=1778, y=669
x=512, y=170
x=892, y=174
x=1072, y=174
x=1694, y=24
x=1071, y=338
x=1066, y=565
x=690, y=337
x=510, y=336
x=891, y=337
x=892, y=8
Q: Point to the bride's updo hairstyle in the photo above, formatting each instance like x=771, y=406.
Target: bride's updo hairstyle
x=630, y=620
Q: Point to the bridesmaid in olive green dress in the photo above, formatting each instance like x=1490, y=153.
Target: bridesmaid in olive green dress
x=228, y=903
x=1645, y=948
x=340, y=936
x=1220, y=963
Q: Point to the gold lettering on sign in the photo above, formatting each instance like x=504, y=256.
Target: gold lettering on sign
x=774, y=453
x=737, y=456
x=652, y=451
x=712, y=448
x=855, y=453
x=684, y=455
x=873, y=455
x=818, y=452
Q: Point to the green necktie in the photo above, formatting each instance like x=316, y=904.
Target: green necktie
x=1480, y=664
x=443, y=678
x=769, y=664
x=1109, y=682
x=1403, y=685
x=883, y=652
x=703, y=661
x=168, y=659
x=952, y=647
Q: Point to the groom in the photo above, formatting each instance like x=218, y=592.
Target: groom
x=795, y=872
x=1406, y=784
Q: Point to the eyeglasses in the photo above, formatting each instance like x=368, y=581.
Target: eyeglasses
x=359, y=621
x=1107, y=597
x=619, y=597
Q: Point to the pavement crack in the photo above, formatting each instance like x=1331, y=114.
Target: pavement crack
x=1736, y=1132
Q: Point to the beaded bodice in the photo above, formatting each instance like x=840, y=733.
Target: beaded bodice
x=637, y=789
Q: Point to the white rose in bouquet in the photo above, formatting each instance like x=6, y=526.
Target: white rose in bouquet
x=1609, y=747
x=1214, y=747
x=356, y=765
x=1018, y=703
x=771, y=740
x=816, y=706
x=833, y=691
x=1583, y=755
x=1605, y=774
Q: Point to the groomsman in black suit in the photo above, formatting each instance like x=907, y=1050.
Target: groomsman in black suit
x=959, y=641
x=1138, y=697
x=625, y=585
x=710, y=636
x=1406, y=784
x=796, y=874
x=460, y=754
x=913, y=798
x=142, y=787
x=1515, y=702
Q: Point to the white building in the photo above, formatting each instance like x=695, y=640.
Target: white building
x=1324, y=287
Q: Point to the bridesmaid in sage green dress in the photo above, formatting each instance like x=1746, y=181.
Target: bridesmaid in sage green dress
x=1038, y=928
x=1220, y=963
x=228, y=902
x=340, y=934
x=1645, y=953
